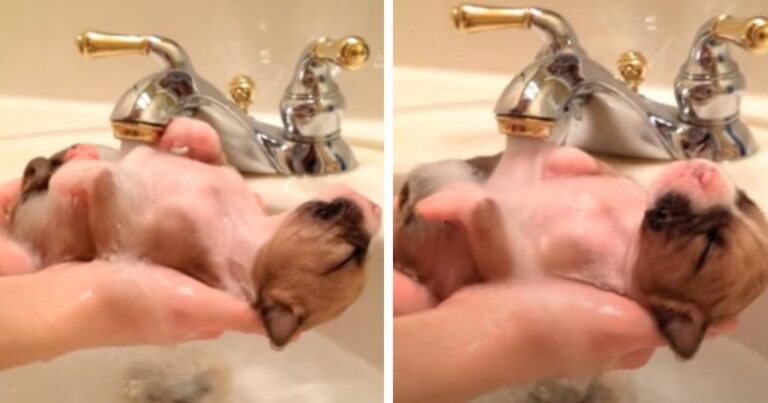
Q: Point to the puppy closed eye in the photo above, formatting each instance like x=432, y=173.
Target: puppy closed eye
x=713, y=239
x=356, y=256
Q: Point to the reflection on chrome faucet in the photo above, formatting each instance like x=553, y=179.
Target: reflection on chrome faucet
x=311, y=109
x=566, y=97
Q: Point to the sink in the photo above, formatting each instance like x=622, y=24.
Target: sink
x=339, y=361
x=315, y=369
x=451, y=115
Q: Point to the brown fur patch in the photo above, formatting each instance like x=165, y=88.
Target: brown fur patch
x=697, y=268
x=310, y=271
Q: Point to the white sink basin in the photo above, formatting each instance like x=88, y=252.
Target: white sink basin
x=340, y=361
x=316, y=369
x=451, y=116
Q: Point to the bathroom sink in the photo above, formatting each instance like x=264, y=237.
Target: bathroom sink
x=451, y=115
x=315, y=369
x=339, y=361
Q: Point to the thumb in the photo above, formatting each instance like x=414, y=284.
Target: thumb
x=217, y=311
x=9, y=192
x=409, y=296
x=636, y=359
x=13, y=258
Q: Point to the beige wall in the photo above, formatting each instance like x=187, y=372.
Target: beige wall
x=263, y=38
x=662, y=29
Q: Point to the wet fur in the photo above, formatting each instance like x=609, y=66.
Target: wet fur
x=311, y=270
x=698, y=268
x=308, y=272
x=685, y=289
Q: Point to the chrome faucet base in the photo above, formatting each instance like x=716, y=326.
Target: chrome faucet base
x=332, y=155
x=310, y=142
x=566, y=97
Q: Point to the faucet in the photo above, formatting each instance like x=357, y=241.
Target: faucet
x=566, y=97
x=310, y=141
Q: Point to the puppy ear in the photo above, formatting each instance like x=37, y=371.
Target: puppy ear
x=280, y=321
x=683, y=329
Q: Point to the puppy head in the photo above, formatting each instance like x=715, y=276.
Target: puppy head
x=311, y=270
x=415, y=240
x=429, y=178
x=703, y=253
x=38, y=172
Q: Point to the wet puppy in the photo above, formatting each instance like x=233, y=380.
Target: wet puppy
x=298, y=269
x=703, y=253
x=693, y=250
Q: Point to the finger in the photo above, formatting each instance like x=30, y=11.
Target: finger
x=81, y=152
x=409, y=296
x=260, y=202
x=722, y=328
x=636, y=359
x=246, y=320
x=206, y=310
x=9, y=192
x=194, y=139
x=15, y=260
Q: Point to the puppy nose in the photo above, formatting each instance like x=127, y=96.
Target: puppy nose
x=375, y=216
x=375, y=209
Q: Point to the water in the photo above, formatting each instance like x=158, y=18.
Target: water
x=235, y=368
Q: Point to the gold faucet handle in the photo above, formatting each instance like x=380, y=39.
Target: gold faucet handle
x=350, y=53
x=93, y=43
x=632, y=66
x=749, y=33
x=241, y=88
x=475, y=18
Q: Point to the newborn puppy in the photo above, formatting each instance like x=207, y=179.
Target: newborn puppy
x=298, y=269
x=703, y=253
x=693, y=251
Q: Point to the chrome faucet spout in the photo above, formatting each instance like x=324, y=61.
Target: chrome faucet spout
x=310, y=141
x=565, y=97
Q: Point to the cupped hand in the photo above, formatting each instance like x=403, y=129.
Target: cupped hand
x=488, y=336
x=122, y=303
x=129, y=303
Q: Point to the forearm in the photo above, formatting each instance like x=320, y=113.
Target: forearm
x=457, y=352
x=40, y=318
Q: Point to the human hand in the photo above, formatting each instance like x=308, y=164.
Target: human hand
x=113, y=303
x=131, y=303
x=492, y=335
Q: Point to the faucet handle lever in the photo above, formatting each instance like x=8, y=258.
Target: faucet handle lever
x=350, y=53
x=558, y=33
x=749, y=33
x=96, y=44
x=476, y=18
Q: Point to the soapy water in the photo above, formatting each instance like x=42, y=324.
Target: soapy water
x=723, y=371
x=235, y=368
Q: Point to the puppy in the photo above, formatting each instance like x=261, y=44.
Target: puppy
x=703, y=253
x=298, y=269
x=693, y=251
